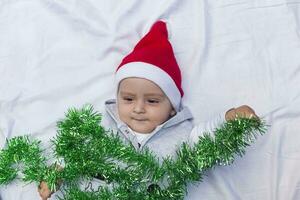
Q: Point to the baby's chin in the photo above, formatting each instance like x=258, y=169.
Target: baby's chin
x=142, y=129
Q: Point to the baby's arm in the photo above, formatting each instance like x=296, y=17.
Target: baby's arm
x=210, y=126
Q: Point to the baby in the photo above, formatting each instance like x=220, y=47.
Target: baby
x=148, y=111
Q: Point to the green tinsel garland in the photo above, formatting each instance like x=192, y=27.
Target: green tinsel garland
x=88, y=150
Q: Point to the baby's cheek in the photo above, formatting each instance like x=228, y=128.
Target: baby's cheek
x=123, y=113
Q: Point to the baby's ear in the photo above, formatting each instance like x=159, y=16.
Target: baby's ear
x=173, y=112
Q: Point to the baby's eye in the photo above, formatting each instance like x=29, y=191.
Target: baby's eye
x=153, y=101
x=129, y=99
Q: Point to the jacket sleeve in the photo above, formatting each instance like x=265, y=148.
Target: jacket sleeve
x=207, y=127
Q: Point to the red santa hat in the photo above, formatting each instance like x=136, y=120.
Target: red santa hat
x=153, y=58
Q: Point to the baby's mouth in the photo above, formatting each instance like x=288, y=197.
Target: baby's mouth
x=140, y=120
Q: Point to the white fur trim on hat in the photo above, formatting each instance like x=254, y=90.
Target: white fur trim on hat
x=154, y=74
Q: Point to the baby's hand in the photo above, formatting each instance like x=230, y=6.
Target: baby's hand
x=44, y=191
x=242, y=111
x=43, y=188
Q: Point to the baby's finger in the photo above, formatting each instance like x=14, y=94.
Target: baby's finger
x=253, y=115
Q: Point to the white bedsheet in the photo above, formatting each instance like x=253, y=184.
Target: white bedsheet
x=57, y=54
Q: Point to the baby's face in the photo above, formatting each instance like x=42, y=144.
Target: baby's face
x=142, y=105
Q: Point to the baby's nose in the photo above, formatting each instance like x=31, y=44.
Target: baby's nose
x=139, y=107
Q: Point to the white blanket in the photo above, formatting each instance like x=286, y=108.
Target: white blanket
x=58, y=54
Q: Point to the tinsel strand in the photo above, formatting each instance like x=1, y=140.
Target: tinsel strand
x=88, y=151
